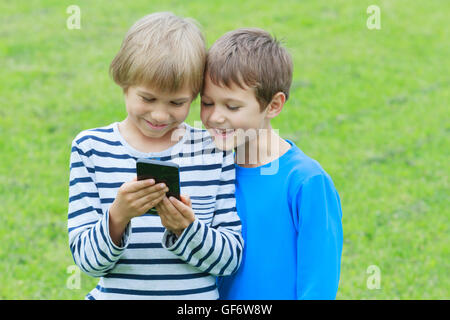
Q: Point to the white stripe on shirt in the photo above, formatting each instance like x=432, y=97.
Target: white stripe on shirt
x=150, y=265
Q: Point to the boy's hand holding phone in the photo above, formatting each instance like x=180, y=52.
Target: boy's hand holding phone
x=134, y=198
x=176, y=215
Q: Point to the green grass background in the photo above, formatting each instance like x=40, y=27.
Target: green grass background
x=370, y=105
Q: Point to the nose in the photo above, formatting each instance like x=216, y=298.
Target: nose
x=216, y=117
x=159, y=116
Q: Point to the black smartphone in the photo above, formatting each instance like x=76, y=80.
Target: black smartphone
x=160, y=171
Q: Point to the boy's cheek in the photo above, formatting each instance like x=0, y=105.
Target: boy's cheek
x=203, y=115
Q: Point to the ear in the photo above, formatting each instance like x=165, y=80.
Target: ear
x=276, y=105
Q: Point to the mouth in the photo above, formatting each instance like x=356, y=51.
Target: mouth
x=222, y=133
x=156, y=126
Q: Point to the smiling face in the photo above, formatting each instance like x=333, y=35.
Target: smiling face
x=154, y=115
x=231, y=115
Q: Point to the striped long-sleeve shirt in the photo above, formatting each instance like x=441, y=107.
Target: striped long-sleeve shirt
x=151, y=263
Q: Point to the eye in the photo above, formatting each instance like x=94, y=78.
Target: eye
x=207, y=104
x=148, y=99
x=177, y=103
x=232, y=108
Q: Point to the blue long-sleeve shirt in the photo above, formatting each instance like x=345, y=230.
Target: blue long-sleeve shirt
x=292, y=227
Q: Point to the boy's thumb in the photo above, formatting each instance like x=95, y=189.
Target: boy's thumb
x=186, y=200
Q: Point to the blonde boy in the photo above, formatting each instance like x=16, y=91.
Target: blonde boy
x=177, y=253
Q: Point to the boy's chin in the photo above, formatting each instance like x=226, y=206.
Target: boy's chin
x=221, y=143
x=224, y=145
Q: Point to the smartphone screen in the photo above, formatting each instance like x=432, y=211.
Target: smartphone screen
x=160, y=171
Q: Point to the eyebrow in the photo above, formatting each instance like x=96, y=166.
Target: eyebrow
x=145, y=93
x=235, y=101
x=181, y=99
x=227, y=99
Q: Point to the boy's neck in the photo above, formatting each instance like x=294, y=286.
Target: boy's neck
x=266, y=147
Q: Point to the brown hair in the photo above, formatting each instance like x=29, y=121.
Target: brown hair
x=163, y=50
x=252, y=57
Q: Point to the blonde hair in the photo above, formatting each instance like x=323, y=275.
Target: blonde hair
x=252, y=57
x=163, y=50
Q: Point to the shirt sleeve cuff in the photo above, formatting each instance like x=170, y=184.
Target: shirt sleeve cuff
x=191, y=237
x=116, y=250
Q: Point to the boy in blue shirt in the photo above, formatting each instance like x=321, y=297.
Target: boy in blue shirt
x=290, y=210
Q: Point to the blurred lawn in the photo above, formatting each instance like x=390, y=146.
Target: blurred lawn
x=370, y=105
